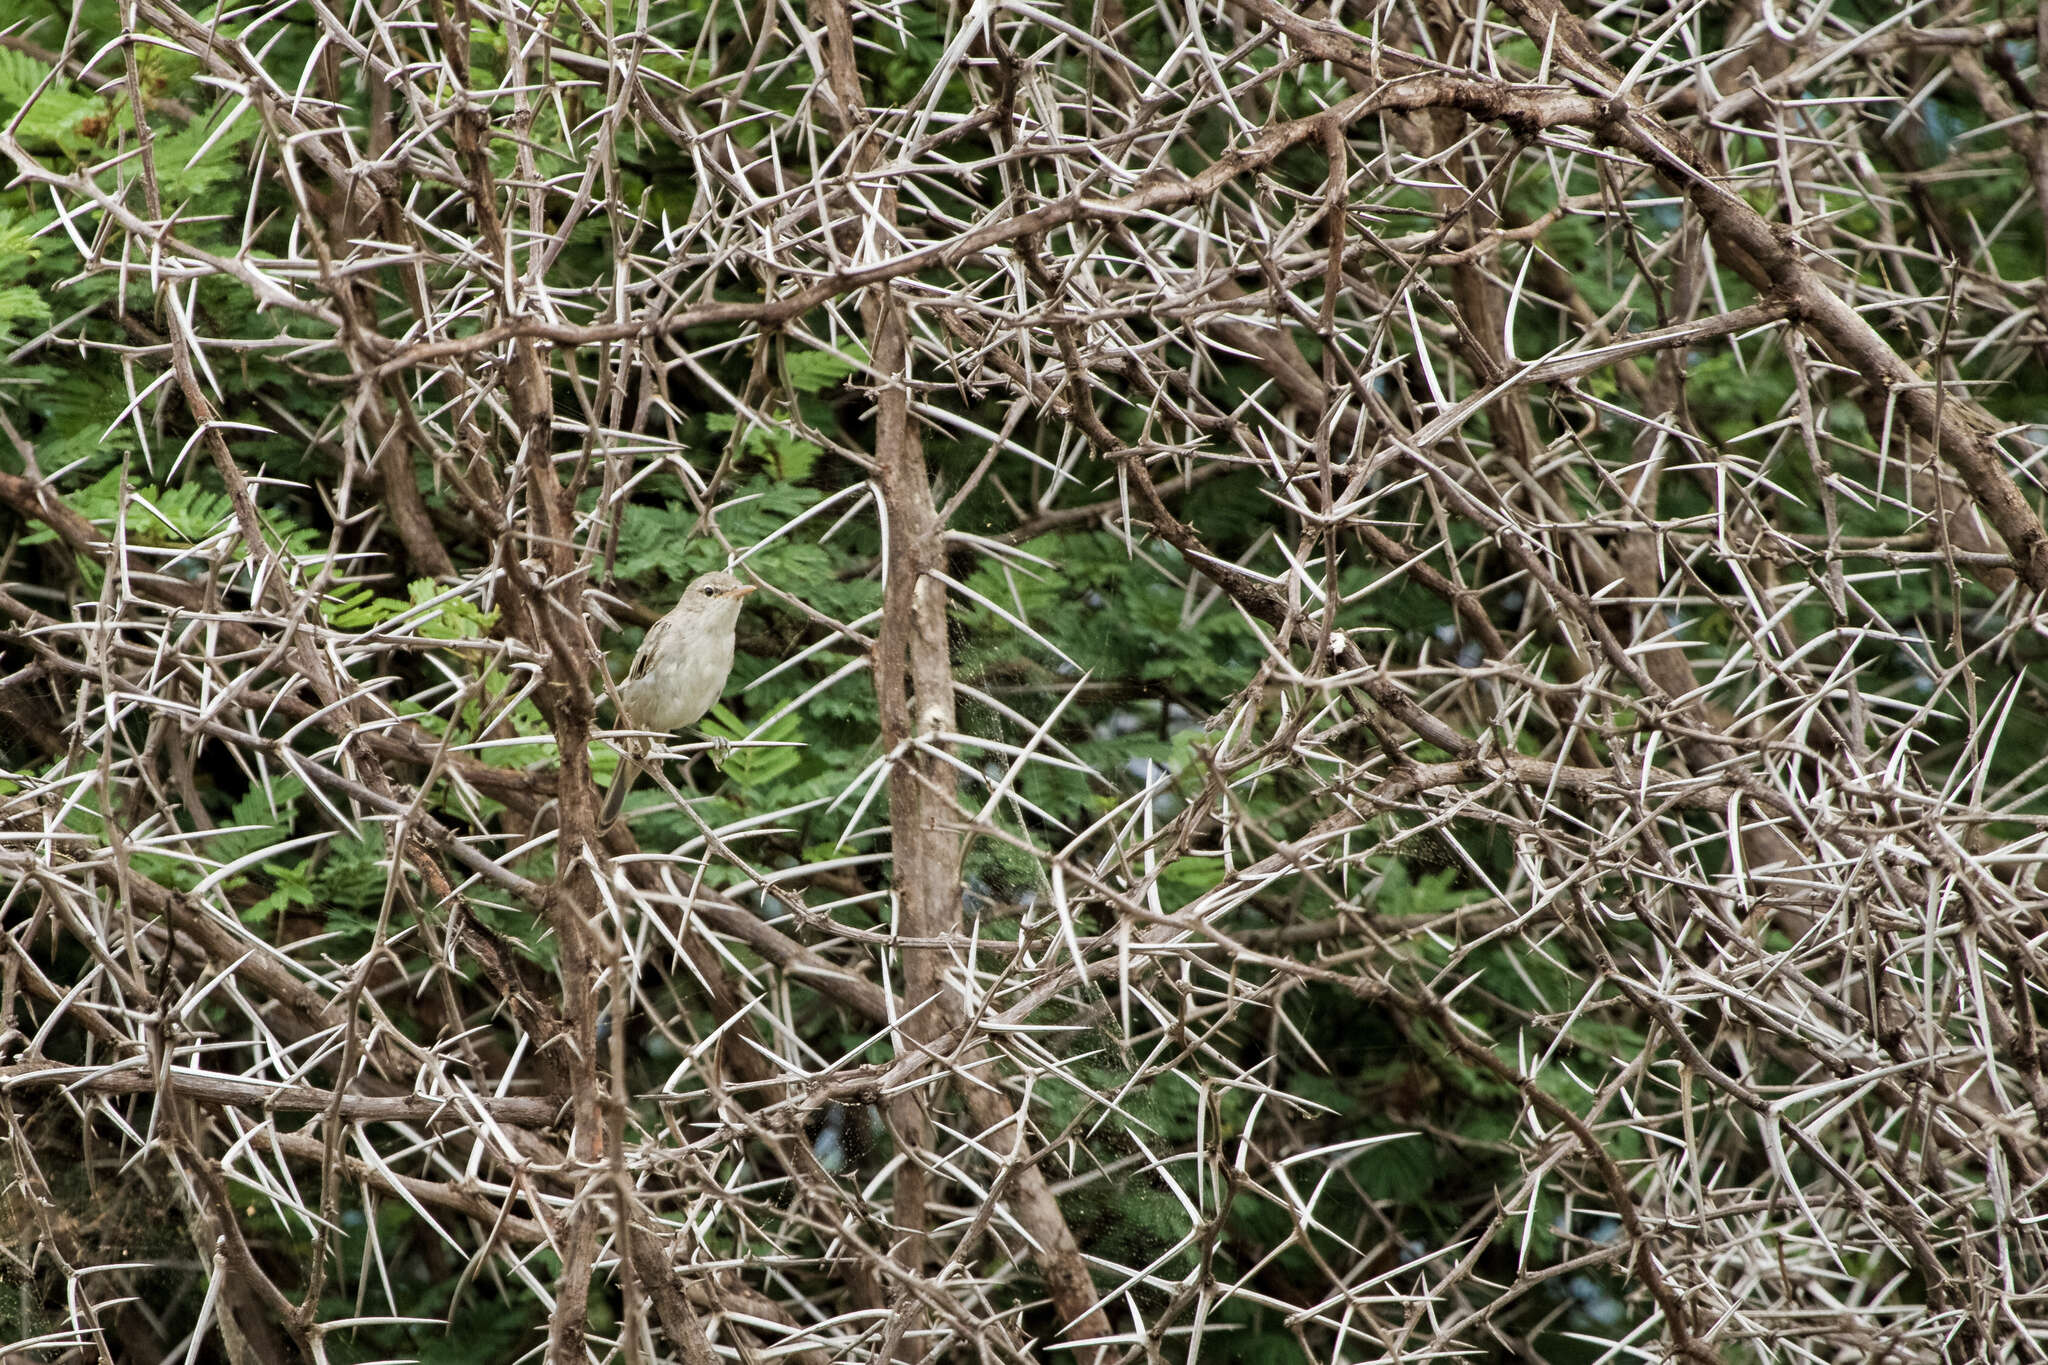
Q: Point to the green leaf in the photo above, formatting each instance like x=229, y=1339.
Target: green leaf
x=787, y=457
x=752, y=768
x=20, y=303
x=18, y=245
x=268, y=815
x=56, y=118
x=817, y=371
x=291, y=889
x=200, y=157
x=356, y=608
x=1402, y=1171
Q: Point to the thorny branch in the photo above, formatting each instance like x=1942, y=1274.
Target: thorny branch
x=1680, y=368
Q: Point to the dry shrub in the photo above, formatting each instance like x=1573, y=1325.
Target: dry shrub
x=1393, y=716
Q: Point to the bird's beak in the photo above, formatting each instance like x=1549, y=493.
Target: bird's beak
x=744, y=589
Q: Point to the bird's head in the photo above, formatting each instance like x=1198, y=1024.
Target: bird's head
x=715, y=597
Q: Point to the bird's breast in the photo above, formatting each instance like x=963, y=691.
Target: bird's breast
x=679, y=690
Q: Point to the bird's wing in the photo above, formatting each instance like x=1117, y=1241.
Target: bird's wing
x=650, y=646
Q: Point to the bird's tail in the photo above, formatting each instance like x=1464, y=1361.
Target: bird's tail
x=615, y=799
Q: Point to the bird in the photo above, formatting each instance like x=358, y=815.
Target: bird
x=680, y=671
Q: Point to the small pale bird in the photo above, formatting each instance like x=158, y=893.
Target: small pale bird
x=680, y=671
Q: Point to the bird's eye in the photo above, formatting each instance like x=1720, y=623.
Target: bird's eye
x=709, y=591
